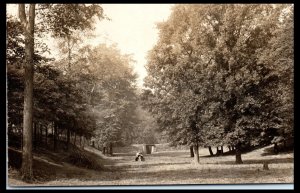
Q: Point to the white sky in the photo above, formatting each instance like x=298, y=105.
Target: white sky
x=132, y=27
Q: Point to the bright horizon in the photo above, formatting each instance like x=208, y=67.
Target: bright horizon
x=132, y=27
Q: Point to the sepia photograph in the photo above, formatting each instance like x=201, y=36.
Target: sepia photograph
x=197, y=96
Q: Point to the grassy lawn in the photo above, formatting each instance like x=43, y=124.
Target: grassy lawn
x=167, y=167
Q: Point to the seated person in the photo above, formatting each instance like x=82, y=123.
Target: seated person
x=140, y=156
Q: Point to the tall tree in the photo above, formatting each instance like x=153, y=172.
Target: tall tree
x=204, y=78
x=106, y=78
x=28, y=28
x=57, y=18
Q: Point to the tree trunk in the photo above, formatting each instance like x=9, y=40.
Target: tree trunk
x=46, y=135
x=68, y=138
x=22, y=136
x=37, y=133
x=275, y=148
x=221, y=150
x=55, y=137
x=238, y=155
x=52, y=129
x=196, y=152
x=83, y=142
x=28, y=28
x=110, y=149
x=40, y=134
x=74, y=138
x=69, y=51
x=34, y=137
x=58, y=135
x=229, y=148
x=284, y=144
x=80, y=141
x=103, y=150
x=191, y=151
x=210, y=151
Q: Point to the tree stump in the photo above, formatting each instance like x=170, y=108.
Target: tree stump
x=265, y=166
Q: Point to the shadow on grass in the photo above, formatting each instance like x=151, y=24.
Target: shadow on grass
x=170, y=154
x=270, y=151
x=156, y=154
x=123, y=154
x=49, y=165
x=41, y=168
x=125, y=167
x=245, y=162
x=230, y=153
x=260, y=161
x=197, y=174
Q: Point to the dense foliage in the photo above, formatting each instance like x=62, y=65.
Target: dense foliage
x=89, y=94
x=223, y=74
x=96, y=97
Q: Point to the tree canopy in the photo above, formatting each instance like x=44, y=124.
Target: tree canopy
x=211, y=79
